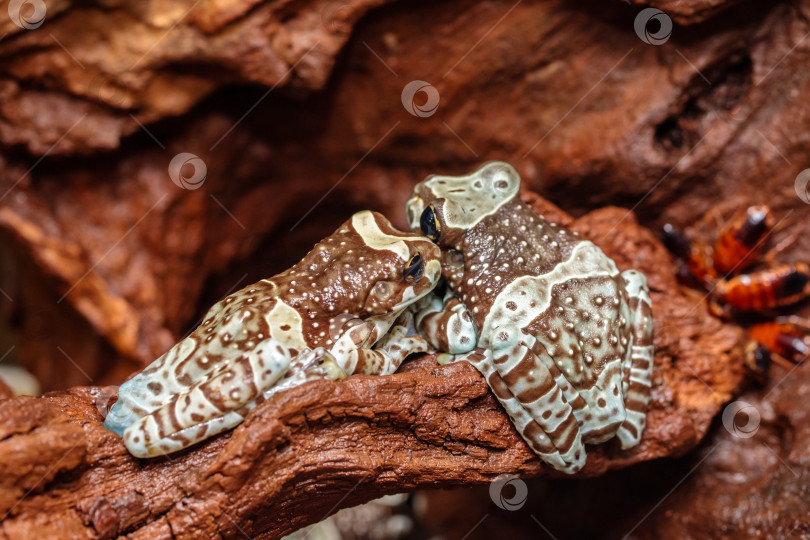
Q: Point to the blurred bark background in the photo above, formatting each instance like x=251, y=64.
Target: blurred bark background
x=297, y=110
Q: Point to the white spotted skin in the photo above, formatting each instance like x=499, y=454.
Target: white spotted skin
x=344, y=309
x=564, y=338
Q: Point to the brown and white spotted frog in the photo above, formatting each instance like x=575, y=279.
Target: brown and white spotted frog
x=563, y=338
x=343, y=309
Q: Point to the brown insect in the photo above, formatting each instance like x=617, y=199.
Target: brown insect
x=721, y=270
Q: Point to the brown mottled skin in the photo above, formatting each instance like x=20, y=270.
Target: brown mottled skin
x=563, y=337
x=340, y=310
x=501, y=237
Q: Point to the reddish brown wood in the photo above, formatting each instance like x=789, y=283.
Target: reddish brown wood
x=348, y=442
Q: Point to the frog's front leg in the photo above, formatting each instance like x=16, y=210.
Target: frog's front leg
x=308, y=366
x=401, y=341
x=359, y=350
x=638, y=361
x=217, y=402
x=447, y=325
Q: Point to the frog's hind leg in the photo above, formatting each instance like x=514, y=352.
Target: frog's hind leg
x=536, y=404
x=154, y=386
x=217, y=402
x=598, y=411
x=191, y=359
x=638, y=362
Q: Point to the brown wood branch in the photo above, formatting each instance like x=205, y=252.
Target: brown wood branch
x=326, y=445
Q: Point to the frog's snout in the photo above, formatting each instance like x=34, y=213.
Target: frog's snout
x=413, y=209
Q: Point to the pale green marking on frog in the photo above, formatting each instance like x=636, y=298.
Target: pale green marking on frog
x=469, y=199
x=287, y=323
x=344, y=309
x=375, y=238
x=563, y=337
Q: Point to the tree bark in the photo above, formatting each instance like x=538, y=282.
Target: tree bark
x=322, y=446
x=296, y=109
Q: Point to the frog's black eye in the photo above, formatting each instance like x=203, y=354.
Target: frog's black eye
x=414, y=269
x=429, y=224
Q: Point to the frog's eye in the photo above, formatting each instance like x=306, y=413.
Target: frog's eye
x=429, y=224
x=383, y=290
x=414, y=269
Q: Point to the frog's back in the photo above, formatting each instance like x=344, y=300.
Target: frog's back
x=514, y=248
x=561, y=290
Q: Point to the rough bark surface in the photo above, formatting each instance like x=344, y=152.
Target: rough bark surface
x=296, y=109
x=748, y=482
x=325, y=445
x=116, y=261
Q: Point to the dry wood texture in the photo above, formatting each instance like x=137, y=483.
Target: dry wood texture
x=296, y=109
x=327, y=445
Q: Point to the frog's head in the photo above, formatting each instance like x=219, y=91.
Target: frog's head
x=402, y=267
x=368, y=262
x=442, y=207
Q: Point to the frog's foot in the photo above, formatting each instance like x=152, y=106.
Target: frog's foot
x=158, y=383
x=537, y=408
x=214, y=404
x=401, y=341
x=312, y=365
x=124, y=412
x=359, y=350
x=446, y=324
x=444, y=358
x=638, y=363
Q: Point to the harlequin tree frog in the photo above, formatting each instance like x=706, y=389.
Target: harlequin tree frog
x=563, y=338
x=343, y=309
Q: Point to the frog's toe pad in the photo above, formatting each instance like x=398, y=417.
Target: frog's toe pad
x=120, y=418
